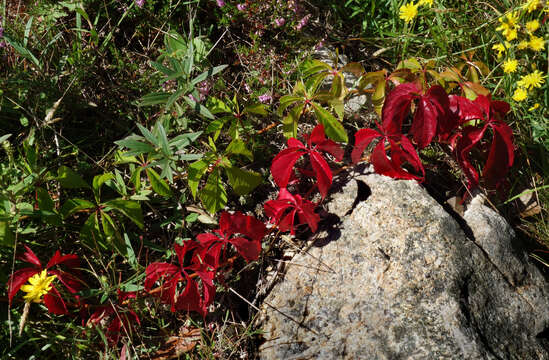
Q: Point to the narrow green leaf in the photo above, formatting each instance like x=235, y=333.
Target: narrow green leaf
x=206, y=74
x=148, y=135
x=217, y=106
x=98, y=182
x=163, y=139
x=154, y=99
x=135, y=147
x=159, y=186
x=70, y=179
x=214, y=195
x=333, y=128
x=91, y=235
x=201, y=109
x=112, y=234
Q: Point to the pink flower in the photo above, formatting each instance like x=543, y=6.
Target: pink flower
x=265, y=98
x=204, y=88
x=280, y=21
x=241, y=7
x=220, y=3
x=303, y=22
x=140, y=3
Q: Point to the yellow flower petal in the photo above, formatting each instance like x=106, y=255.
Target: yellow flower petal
x=520, y=94
x=510, y=66
x=532, y=26
x=408, y=11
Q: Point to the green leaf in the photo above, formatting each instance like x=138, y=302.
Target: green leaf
x=217, y=106
x=238, y=146
x=44, y=199
x=98, y=182
x=136, y=178
x=333, y=128
x=163, y=139
x=130, y=254
x=158, y=185
x=206, y=74
x=135, y=147
x=214, y=195
x=131, y=209
x=287, y=101
x=148, y=135
x=311, y=67
x=70, y=179
x=154, y=99
x=7, y=237
x=161, y=68
x=72, y=206
x=4, y=138
x=242, y=181
x=195, y=172
x=91, y=235
x=112, y=234
x=289, y=122
x=258, y=109
x=201, y=109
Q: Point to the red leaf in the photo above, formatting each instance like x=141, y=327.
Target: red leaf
x=278, y=209
x=70, y=260
x=18, y=279
x=30, y=257
x=363, y=138
x=189, y=300
x=323, y=173
x=392, y=167
x=156, y=271
x=397, y=107
x=331, y=147
x=55, y=303
x=283, y=164
x=501, y=156
x=249, y=250
x=71, y=282
x=470, y=136
x=430, y=116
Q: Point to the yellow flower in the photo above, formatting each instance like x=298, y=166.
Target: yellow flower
x=500, y=48
x=523, y=45
x=510, y=66
x=39, y=285
x=408, y=11
x=532, y=26
x=531, y=5
x=536, y=43
x=532, y=80
x=520, y=94
x=426, y=2
x=511, y=34
x=536, y=105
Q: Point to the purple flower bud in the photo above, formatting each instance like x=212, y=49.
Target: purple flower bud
x=241, y=7
x=280, y=22
x=265, y=98
x=220, y=3
x=1, y=32
x=140, y=3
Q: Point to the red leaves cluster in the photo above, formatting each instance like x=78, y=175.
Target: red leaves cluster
x=453, y=119
x=200, y=260
x=284, y=210
x=69, y=278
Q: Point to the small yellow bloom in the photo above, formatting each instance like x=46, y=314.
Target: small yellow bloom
x=426, y=2
x=531, y=5
x=532, y=26
x=510, y=19
x=520, y=94
x=523, y=45
x=536, y=43
x=500, y=48
x=536, y=105
x=39, y=285
x=510, y=66
x=511, y=34
x=408, y=11
x=532, y=80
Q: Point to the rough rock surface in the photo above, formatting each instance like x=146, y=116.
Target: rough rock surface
x=401, y=279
